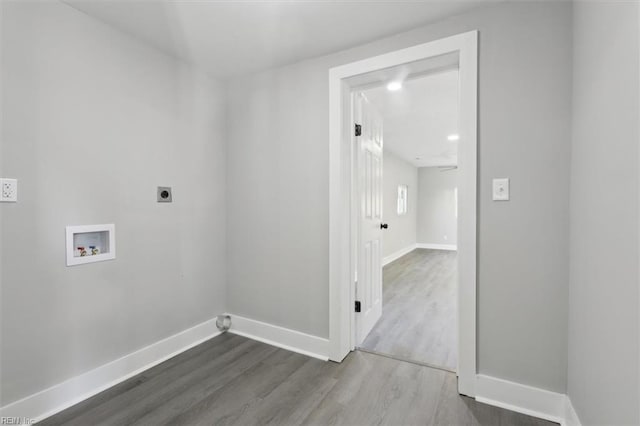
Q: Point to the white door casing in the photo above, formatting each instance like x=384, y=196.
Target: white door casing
x=369, y=251
x=343, y=220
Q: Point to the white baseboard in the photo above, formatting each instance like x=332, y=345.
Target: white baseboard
x=523, y=399
x=570, y=417
x=281, y=337
x=398, y=254
x=437, y=246
x=76, y=389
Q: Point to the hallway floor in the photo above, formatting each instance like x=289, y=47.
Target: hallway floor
x=231, y=380
x=418, y=320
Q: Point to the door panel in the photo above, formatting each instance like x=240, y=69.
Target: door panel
x=369, y=267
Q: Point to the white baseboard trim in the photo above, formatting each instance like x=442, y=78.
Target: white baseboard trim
x=52, y=400
x=570, y=417
x=295, y=341
x=398, y=254
x=437, y=246
x=523, y=399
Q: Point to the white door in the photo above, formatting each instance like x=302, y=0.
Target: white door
x=369, y=268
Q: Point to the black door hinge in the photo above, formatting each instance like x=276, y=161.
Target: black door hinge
x=358, y=129
x=358, y=308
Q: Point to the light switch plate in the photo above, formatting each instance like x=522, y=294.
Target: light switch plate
x=8, y=190
x=501, y=189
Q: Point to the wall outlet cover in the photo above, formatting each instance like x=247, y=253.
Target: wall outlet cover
x=8, y=190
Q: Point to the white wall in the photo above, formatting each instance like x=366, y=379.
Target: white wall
x=93, y=121
x=436, y=220
x=278, y=176
x=402, y=228
x=604, y=354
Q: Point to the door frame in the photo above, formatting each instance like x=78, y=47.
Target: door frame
x=342, y=256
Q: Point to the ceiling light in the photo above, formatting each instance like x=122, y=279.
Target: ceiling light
x=394, y=85
x=453, y=137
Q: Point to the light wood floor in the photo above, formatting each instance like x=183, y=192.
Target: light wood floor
x=418, y=320
x=230, y=380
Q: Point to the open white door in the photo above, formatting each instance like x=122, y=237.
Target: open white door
x=369, y=174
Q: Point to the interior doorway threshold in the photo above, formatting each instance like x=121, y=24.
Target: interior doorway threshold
x=399, y=358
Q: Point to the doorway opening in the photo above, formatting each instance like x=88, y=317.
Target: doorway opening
x=354, y=254
x=418, y=118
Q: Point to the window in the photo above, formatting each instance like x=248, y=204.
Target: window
x=455, y=199
x=403, y=192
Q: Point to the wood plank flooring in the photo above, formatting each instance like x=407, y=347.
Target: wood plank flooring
x=418, y=320
x=231, y=380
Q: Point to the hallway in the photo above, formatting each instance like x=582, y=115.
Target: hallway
x=419, y=310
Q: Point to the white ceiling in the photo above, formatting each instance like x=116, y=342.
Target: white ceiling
x=419, y=117
x=228, y=38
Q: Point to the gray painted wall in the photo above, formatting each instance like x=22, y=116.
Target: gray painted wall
x=436, y=220
x=603, y=380
x=402, y=228
x=278, y=175
x=93, y=121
